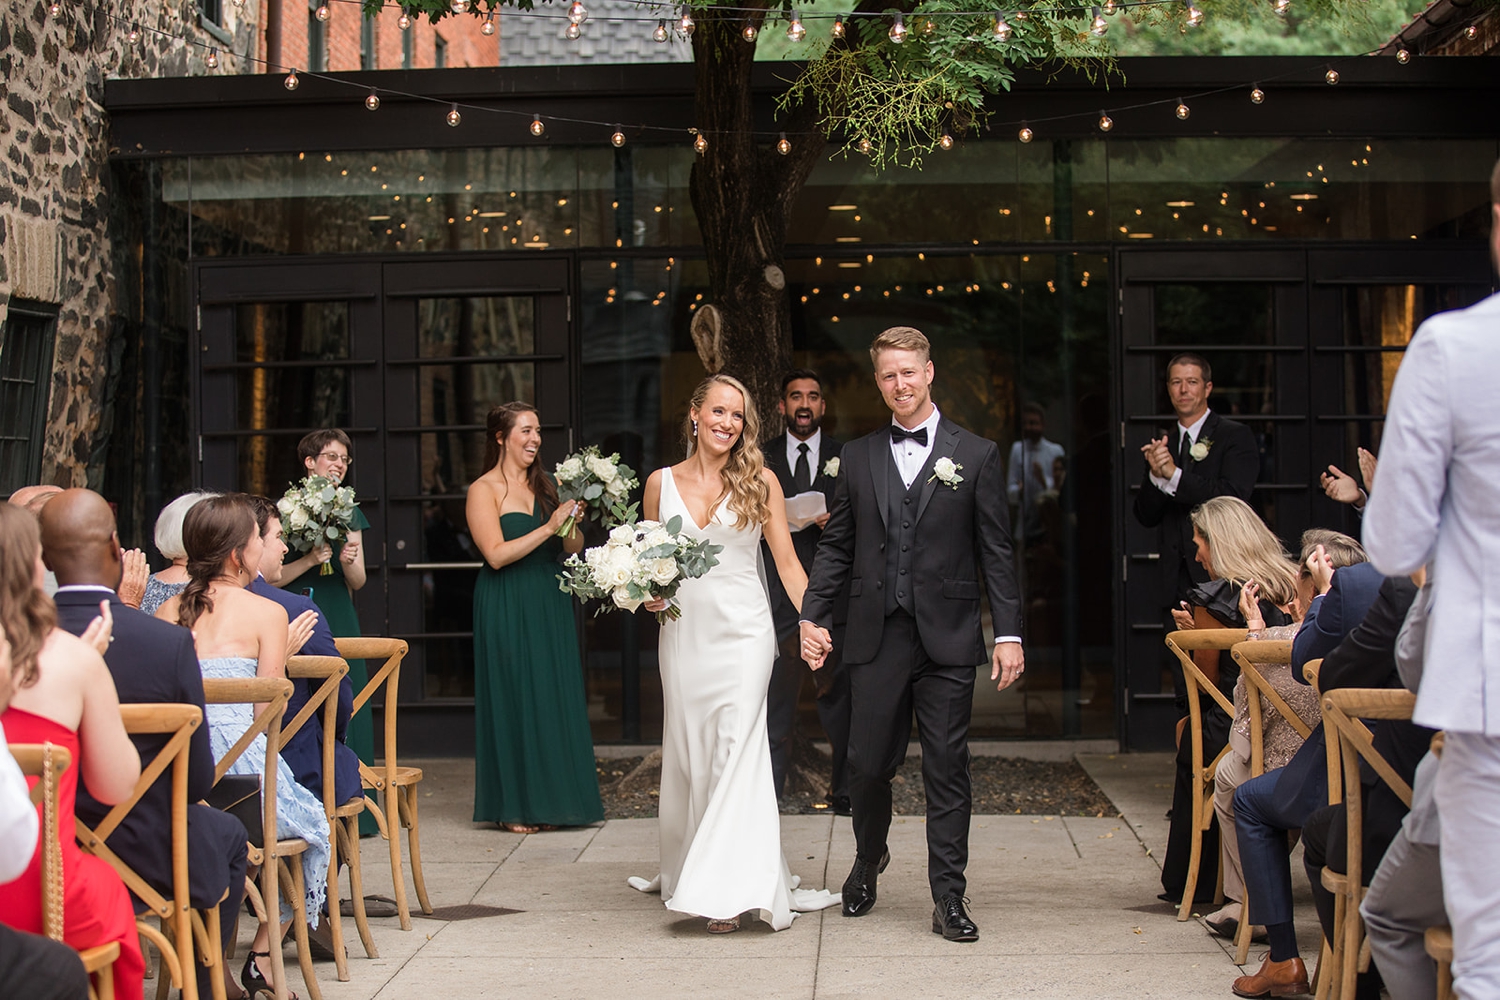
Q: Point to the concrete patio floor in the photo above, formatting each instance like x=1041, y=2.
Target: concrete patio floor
x=1066, y=907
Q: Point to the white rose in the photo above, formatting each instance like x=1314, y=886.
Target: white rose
x=1199, y=451
x=618, y=568
x=658, y=536
x=601, y=467
x=624, y=601
x=596, y=557
x=616, y=487
x=623, y=534
x=944, y=468
x=831, y=467
x=286, y=505
x=297, y=519
x=663, y=571
x=570, y=469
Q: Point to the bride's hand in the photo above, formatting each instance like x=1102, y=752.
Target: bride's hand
x=656, y=604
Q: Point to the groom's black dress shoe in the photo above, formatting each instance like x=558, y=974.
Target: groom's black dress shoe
x=842, y=806
x=950, y=920
x=859, y=887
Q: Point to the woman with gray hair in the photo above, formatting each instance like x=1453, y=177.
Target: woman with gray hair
x=160, y=587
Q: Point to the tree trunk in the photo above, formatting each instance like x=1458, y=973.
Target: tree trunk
x=742, y=190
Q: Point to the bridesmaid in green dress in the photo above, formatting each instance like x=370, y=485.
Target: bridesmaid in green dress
x=534, y=754
x=327, y=453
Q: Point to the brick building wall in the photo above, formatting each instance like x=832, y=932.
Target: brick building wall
x=56, y=187
x=289, y=23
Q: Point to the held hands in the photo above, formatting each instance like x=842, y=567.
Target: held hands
x=816, y=645
x=565, y=510
x=133, y=578
x=100, y=632
x=1321, y=567
x=1008, y=663
x=300, y=631
x=1159, y=457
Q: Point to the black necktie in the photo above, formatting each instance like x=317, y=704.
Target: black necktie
x=1184, y=450
x=802, y=474
x=899, y=434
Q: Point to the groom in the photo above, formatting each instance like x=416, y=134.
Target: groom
x=919, y=515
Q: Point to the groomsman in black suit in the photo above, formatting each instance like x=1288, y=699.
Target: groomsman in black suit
x=920, y=528
x=806, y=460
x=151, y=661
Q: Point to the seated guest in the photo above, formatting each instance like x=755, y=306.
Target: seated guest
x=30, y=964
x=1279, y=741
x=33, y=499
x=150, y=661
x=304, y=751
x=1233, y=547
x=1267, y=808
x=170, y=581
x=63, y=694
x=238, y=635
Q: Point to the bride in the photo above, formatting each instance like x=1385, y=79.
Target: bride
x=719, y=826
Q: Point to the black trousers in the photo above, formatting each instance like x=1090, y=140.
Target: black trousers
x=1180, y=833
x=39, y=968
x=885, y=693
x=217, y=859
x=833, y=711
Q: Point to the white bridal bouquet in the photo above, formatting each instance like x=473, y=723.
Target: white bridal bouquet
x=599, y=483
x=642, y=561
x=315, y=512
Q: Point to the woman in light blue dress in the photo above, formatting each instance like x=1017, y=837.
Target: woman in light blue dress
x=239, y=634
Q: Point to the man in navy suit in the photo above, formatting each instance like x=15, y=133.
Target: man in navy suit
x=806, y=460
x=151, y=661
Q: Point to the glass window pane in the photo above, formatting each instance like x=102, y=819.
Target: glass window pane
x=1218, y=314
x=291, y=331
x=451, y=460
x=494, y=326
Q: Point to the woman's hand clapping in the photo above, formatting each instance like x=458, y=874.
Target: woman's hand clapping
x=300, y=631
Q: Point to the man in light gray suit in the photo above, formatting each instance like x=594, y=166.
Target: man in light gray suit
x=1436, y=504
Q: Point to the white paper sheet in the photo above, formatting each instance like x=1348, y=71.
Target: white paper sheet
x=804, y=508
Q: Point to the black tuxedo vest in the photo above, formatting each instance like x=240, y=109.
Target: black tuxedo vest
x=900, y=539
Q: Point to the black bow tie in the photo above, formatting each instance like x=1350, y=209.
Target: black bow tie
x=899, y=434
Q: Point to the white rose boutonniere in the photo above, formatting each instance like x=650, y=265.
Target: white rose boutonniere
x=831, y=467
x=946, y=471
x=1199, y=450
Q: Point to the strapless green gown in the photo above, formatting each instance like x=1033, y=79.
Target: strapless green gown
x=534, y=754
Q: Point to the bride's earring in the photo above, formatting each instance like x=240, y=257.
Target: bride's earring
x=695, y=428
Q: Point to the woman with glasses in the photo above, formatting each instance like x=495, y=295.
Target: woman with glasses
x=327, y=453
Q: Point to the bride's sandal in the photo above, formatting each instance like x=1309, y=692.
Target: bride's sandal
x=519, y=828
x=724, y=926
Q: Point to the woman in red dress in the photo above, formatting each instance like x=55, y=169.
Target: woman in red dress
x=64, y=694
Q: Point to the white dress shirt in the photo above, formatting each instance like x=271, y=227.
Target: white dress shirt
x=1169, y=486
x=18, y=817
x=814, y=451
x=1020, y=475
x=910, y=456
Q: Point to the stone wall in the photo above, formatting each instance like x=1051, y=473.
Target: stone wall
x=55, y=182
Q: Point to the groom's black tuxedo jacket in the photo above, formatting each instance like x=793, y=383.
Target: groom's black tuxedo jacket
x=806, y=540
x=961, y=536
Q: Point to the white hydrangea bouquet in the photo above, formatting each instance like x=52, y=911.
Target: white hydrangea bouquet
x=316, y=511
x=600, y=483
x=642, y=561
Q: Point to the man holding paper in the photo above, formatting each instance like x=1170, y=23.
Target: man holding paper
x=806, y=461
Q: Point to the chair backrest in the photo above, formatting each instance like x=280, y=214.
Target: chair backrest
x=47, y=762
x=392, y=651
x=140, y=719
x=1183, y=644
x=330, y=670
x=1247, y=654
x=271, y=694
x=1342, y=711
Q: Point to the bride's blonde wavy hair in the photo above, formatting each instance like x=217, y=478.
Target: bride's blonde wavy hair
x=749, y=497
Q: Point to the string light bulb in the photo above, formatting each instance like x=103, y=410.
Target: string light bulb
x=700, y=145
x=454, y=117
x=865, y=146
x=783, y=145
x=946, y=142
x=488, y=27
x=133, y=36
x=323, y=13
x=372, y=100
x=1105, y=122
x=897, y=34
x=212, y=62
x=928, y=26
x=837, y=31
x=660, y=34
x=1182, y=110
x=1257, y=96
x=54, y=8
x=1109, y=6
x=404, y=21
x=1331, y=77
x=618, y=138
x=1194, y=14
x=1471, y=32
x=1002, y=29
x=794, y=29
x=459, y=6
x=1098, y=26
x=536, y=126
x=1281, y=7
x=750, y=32
x=577, y=12
x=572, y=31
x=1403, y=56
x=686, y=24
x=1025, y=135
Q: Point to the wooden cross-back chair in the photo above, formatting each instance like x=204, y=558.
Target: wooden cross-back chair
x=343, y=819
x=181, y=925
x=278, y=878
x=47, y=762
x=1183, y=644
x=1247, y=654
x=1351, y=740
x=396, y=783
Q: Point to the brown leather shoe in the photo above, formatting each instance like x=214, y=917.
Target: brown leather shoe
x=1274, y=979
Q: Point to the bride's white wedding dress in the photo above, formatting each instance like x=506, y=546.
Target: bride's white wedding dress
x=719, y=826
